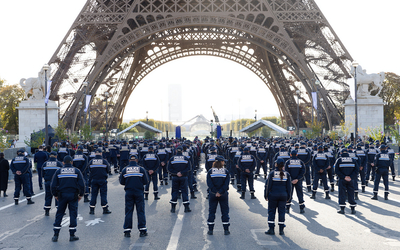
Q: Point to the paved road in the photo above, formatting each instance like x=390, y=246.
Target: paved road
x=375, y=226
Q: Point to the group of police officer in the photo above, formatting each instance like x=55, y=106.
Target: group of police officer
x=85, y=172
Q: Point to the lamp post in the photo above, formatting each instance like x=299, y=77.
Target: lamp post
x=255, y=116
x=321, y=100
x=298, y=112
x=106, y=94
x=355, y=65
x=80, y=113
x=85, y=85
x=46, y=119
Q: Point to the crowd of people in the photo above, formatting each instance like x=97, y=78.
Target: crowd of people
x=71, y=175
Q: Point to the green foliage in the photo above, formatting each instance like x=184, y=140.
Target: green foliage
x=11, y=96
x=148, y=135
x=334, y=135
x=3, y=139
x=60, y=131
x=391, y=97
x=375, y=133
x=74, y=138
x=36, y=140
x=86, y=132
x=316, y=129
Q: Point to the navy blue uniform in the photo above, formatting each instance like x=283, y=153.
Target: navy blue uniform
x=124, y=153
x=48, y=170
x=67, y=185
x=21, y=164
x=163, y=155
x=247, y=164
x=371, y=153
x=134, y=177
x=382, y=164
x=40, y=158
x=362, y=169
x=305, y=155
x=262, y=156
x=98, y=174
x=346, y=166
x=80, y=161
x=296, y=168
x=218, y=182
x=151, y=162
x=62, y=152
x=320, y=164
x=176, y=164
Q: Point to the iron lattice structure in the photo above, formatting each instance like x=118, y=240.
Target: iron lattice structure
x=114, y=44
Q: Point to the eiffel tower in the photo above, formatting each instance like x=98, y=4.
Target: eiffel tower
x=114, y=44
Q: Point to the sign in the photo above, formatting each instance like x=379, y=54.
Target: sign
x=291, y=128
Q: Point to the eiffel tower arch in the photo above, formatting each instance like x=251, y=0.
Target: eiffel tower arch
x=114, y=44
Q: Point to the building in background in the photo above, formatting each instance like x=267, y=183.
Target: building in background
x=175, y=102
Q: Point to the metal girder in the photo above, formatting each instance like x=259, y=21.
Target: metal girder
x=114, y=44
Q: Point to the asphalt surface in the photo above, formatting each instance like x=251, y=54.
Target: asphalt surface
x=374, y=226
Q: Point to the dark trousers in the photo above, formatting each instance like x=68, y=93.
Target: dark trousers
x=392, y=170
x=384, y=173
x=250, y=179
x=330, y=175
x=370, y=171
x=299, y=191
x=23, y=180
x=346, y=187
x=307, y=176
x=64, y=200
x=317, y=177
x=163, y=173
x=212, y=209
x=179, y=184
x=99, y=185
x=263, y=166
x=133, y=199
x=122, y=164
x=276, y=202
x=113, y=161
x=153, y=179
x=40, y=178
x=48, y=196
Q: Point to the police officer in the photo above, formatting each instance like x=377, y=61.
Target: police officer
x=296, y=168
x=134, y=177
x=48, y=170
x=62, y=151
x=164, y=157
x=247, y=164
x=67, y=187
x=391, y=154
x=346, y=168
x=151, y=163
x=20, y=166
x=371, y=153
x=363, y=162
x=179, y=167
x=40, y=158
x=80, y=161
x=305, y=155
x=98, y=174
x=262, y=156
x=382, y=164
x=218, y=185
x=123, y=156
x=320, y=164
x=277, y=192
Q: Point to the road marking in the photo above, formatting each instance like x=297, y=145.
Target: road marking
x=20, y=201
x=203, y=215
x=93, y=222
x=7, y=234
x=176, y=232
x=65, y=221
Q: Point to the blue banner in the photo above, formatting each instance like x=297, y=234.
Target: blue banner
x=178, y=132
x=219, y=131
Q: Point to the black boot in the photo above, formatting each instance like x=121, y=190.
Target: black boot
x=143, y=233
x=173, y=207
x=5, y=194
x=265, y=176
x=255, y=177
x=187, y=208
x=356, y=196
x=146, y=196
x=375, y=197
x=127, y=234
x=55, y=238
x=394, y=177
x=363, y=189
x=302, y=210
x=308, y=188
x=91, y=210
x=192, y=196
x=156, y=196
x=73, y=238
x=195, y=188
x=386, y=195
x=281, y=227
x=313, y=195
x=106, y=211
x=210, y=229
x=271, y=231
x=353, y=210
x=327, y=197
x=252, y=196
x=341, y=211
x=47, y=212
x=366, y=183
x=16, y=201
x=243, y=195
x=332, y=187
x=226, y=229
x=161, y=182
x=232, y=181
x=30, y=201
x=166, y=182
x=287, y=209
x=86, y=198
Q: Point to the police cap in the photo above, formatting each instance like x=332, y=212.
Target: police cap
x=67, y=159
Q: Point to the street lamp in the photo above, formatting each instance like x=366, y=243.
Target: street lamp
x=298, y=112
x=106, y=94
x=355, y=65
x=46, y=119
x=321, y=100
x=255, y=116
x=85, y=85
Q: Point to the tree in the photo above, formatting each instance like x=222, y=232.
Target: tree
x=60, y=131
x=391, y=97
x=11, y=96
x=86, y=132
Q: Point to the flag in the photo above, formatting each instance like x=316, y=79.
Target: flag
x=46, y=100
x=315, y=100
x=350, y=82
x=87, y=102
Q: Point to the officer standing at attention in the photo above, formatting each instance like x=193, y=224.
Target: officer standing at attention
x=382, y=164
x=134, y=177
x=67, y=187
x=151, y=163
x=40, y=158
x=80, y=161
x=277, y=192
x=62, y=151
x=218, y=185
x=320, y=164
x=98, y=174
x=48, y=170
x=247, y=164
x=296, y=169
x=346, y=168
x=179, y=167
x=20, y=166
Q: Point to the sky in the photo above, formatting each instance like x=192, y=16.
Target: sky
x=32, y=31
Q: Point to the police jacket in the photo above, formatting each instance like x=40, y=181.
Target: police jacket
x=124, y=152
x=114, y=151
x=331, y=157
x=276, y=186
x=134, y=177
x=282, y=155
x=210, y=160
x=346, y=166
x=20, y=163
x=262, y=154
x=106, y=152
x=247, y=161
x=40, y=158
x=98, y=168
x=382, y=160
x=80, y=161
x=62, y=152
x=371, y=153
x=320, y=161
x=218, y=180
x=362, y=156
x=232, y=153
x=67, y=180
x=151, y=161
x=162, y=155
x=179, y=163
x=304, y=155
x=296, y=168
x=50, y=167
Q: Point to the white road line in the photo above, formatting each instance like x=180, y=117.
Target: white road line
x=204, y=208
x=7, y=234
x=10, y=205
x=176, y=232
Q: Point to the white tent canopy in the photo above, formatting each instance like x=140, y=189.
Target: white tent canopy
x=141, y=125
x=262, y=123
